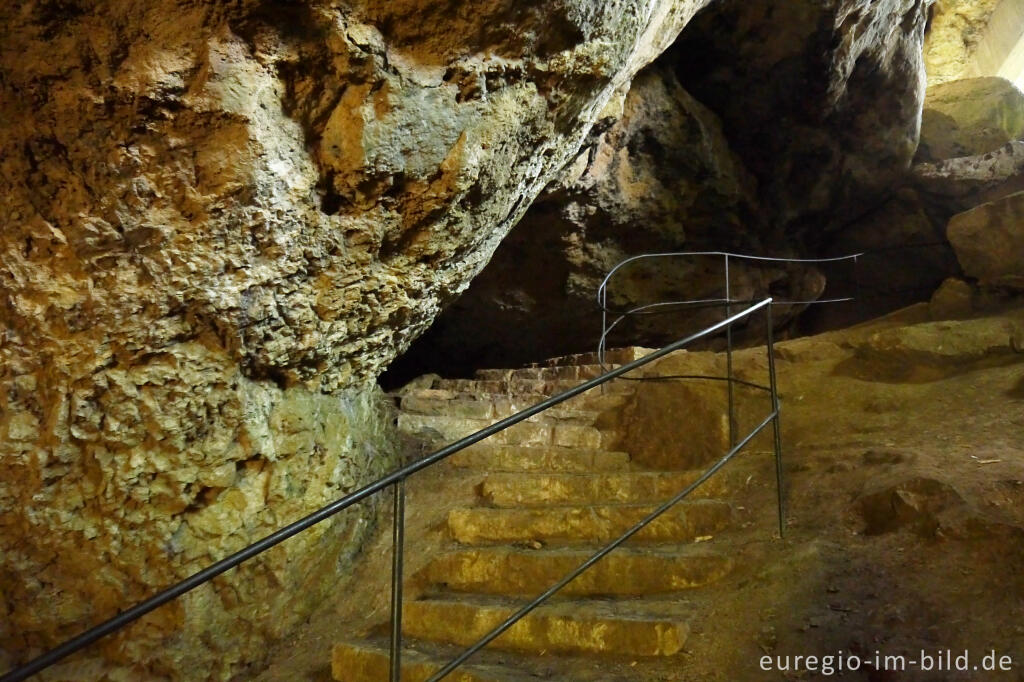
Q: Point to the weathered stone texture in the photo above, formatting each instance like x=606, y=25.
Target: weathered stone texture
x=220, y=222
x=970, y=117
x=711, y=151
x=958, y=184
x=957, y=28
x=659, y=178
x=821, y=100
x=989, y=241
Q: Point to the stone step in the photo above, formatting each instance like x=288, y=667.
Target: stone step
x=527, y=573
x=497, y=408
x=560, y=628
x=503, y=405
x=370, y=662
x=517, y=386
x=587, y=524
x=619, y=356
x=442, y=429
x=513, y=458
x=578, y=373
x=638, y=487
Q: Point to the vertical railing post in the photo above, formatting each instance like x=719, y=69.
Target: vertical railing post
x=860, y=303
x=604, y=331
x=776, y=424
x=728, y=356
x=604, y=326
x=397, y=556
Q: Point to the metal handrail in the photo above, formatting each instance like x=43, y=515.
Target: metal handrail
x=397, y=479
x=772, y=418
x=602, y=290
x=727, y=302
x=602, y=293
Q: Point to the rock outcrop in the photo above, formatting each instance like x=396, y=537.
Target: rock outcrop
x=821, y=100
x=957, y=29
x=989, y=241
x=970, y=117
x=710, y=152
x=660, y=178
x=955, y=185
x=221, y=221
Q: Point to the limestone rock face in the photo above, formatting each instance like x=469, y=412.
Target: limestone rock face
x=821, y=100
x=989, y=241
x=662, y=175
x=958, y=184
x=906, y=257
x=712, y=151
x=957, y=28
x=220, y=222
x=660, y=178
x=970, y=117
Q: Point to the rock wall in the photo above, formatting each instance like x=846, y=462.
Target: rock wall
x=970, y=117
x=767, y=128
x=957, y=29
x=821, y=100
x=659, y=176
x=221, y=221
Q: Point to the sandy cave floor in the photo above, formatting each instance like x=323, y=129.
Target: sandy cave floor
x=905, y=494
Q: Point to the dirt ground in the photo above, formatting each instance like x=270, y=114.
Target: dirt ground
x=904, y=459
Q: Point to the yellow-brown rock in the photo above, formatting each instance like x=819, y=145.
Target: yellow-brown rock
x=220, y=222
x=970, y=117
x=957, y=28
x=989, y=241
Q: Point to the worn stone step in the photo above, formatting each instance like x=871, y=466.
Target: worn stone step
x=370, y=662
x=514, y=458
x=561, y=628
x=527, y=573
x=586, y=524
x=579, y=373
x=546, y=489
x=491, y=410
x=590, y=401
x=442, y=429
x=619, y=356
x=515, y=386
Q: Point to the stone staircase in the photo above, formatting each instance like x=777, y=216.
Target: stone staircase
x=553, y=490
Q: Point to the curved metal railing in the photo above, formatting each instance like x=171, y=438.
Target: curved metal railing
x=726, y=302
x=397, y=480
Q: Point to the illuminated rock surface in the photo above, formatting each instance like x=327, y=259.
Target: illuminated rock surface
x=221, y=222
x=970, y=117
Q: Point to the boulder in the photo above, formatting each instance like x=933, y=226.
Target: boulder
x=970, y=117
x=821, y=100
x=989, y=241
x=921, y=505
x=955, y=185
x=953, y=300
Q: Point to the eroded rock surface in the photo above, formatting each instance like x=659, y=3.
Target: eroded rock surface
x=221, y=221
x=821, y=156
x=955, y=185
x=970, y=117
x=957, y=29
x=660, y=178
x=989, y=241
x=711, y=152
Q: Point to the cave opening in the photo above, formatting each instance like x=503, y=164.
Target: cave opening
x=721, y=143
